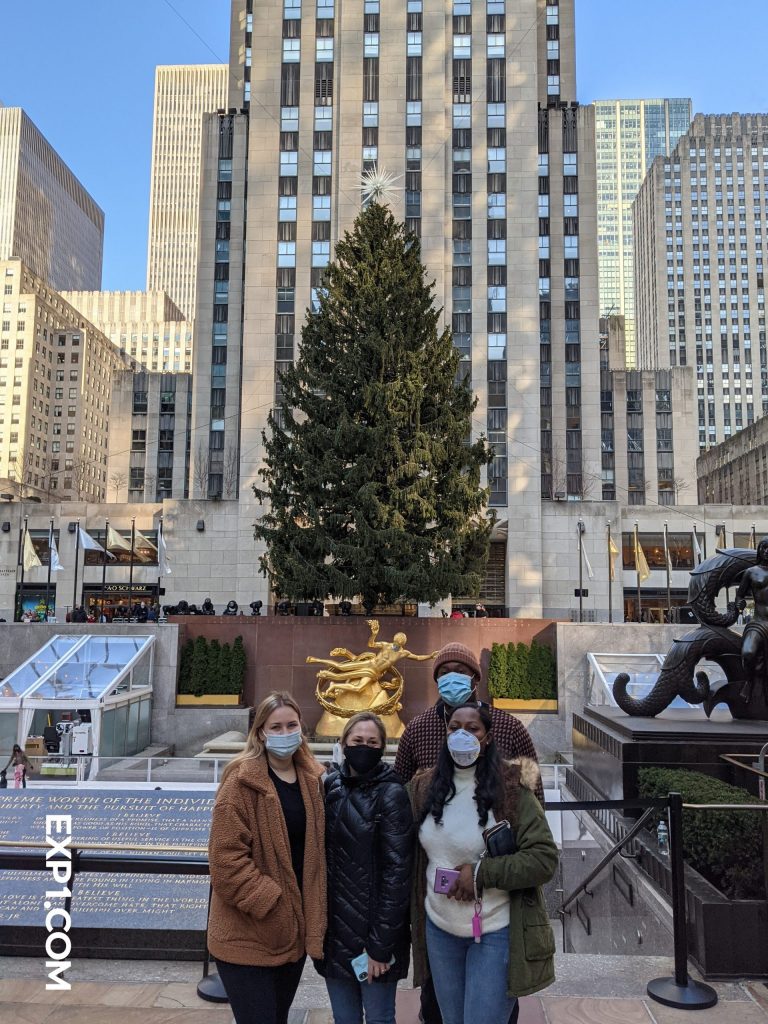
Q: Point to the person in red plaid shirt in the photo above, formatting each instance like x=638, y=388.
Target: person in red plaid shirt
x=457, y=674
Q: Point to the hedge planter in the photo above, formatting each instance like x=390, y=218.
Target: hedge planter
x=726, y=937
x=219, y=700
x=526, y=707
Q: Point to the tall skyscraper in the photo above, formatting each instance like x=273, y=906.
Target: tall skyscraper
x=473, y=106
x=47, y=219
x=699, y=268
x=629, y=135
x=183, y=94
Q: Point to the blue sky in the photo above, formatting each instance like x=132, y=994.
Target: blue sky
x=89, y=88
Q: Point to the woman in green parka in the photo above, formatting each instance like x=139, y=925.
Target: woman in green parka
x=485, y=937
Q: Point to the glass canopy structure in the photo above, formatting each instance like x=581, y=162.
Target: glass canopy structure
x=107, y=676
x=643, y=671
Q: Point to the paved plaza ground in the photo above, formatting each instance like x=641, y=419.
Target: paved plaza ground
x=589, y=990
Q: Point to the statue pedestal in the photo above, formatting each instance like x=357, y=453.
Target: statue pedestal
x=609, y=746
x=331, y=726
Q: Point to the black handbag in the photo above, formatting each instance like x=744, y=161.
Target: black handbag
x=500, y=839
x=3, y=780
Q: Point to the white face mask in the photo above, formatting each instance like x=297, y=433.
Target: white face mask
x=284, y=744
x=463, y=747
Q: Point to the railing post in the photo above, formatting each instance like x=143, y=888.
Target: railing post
x=681, y=991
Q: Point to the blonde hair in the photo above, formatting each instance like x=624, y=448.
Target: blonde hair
x=364, y=716
x=254, y=745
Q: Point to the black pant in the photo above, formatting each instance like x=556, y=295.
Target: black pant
x=260, y=995
x=430, y=1011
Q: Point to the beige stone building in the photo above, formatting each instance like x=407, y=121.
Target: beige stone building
x=477, y=115
x=147, y=326
x=648, y=427
x=699, y=220
x=629, y=135
x=47, y=218
x=183, y=94
x=736, y=471
x=150, y=440
x=55, y=376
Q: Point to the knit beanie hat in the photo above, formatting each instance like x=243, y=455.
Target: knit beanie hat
x=456, y=652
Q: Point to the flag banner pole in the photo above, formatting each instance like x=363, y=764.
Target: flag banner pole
x=77, y=552
x=22, y=547
x=637, y=566
x=610, y=577
x=104, y=571
x=130, y=574
x=48, y=583
x=668, y=567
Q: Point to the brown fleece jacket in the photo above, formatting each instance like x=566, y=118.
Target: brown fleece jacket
x=258, y=916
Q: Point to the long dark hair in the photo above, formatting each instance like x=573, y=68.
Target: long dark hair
x=489, y=785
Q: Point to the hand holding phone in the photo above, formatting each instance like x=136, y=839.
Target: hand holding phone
x=444, y=879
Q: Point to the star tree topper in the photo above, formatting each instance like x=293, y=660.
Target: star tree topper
x=378, y=186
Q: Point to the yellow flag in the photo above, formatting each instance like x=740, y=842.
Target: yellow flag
x=613, y=552
x=641, y=563
x=721, y=538
x=31, y=561
x=115, y=542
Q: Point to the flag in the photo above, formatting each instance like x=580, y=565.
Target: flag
x=697, y=555
x=115, y=542
x=590, y=572
x=165, y=565
x=641, y=564
x=54, y=556
x=87, y=543
x=30, y=558
x=667, y=555
x=752, y=543
x=613, y=552
x=721, y=537
x=140, y=541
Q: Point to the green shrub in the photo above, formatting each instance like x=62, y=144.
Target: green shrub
x=199, y=667
x=225, y=666
x=237, y=667
x=497, y=671
x=542, y=672
x=726, y=847
x=185, y=667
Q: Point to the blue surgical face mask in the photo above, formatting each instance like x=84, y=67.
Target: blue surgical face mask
x=284, y=744
x=455, y=688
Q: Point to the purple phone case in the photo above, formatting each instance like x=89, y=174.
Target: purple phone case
x=444, y=879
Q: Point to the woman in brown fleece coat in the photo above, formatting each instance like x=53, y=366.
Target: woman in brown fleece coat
x=267, y=861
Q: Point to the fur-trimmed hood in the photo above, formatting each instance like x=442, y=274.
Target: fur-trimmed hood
x=530, y=773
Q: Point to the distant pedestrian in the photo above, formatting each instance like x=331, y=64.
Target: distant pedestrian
x=21, y=765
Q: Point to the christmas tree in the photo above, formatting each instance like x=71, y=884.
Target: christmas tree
x=372, y=484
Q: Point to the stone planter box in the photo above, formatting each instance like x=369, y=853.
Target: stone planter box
x=217, y=700
x=726, y=938
x=526, y=707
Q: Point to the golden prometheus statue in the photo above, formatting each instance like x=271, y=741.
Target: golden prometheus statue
x=363, y=682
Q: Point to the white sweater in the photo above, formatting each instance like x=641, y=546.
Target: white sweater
x=459, y=840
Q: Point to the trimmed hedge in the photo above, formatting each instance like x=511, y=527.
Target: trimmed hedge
x=211, y=667
x=726, y=847
x=522, y=672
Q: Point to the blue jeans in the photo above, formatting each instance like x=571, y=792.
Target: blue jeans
x=470, y=977
x=350, y=998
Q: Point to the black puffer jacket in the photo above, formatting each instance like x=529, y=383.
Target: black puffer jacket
x=370, y=837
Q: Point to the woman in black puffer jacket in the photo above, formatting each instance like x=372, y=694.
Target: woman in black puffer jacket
x=369, y=847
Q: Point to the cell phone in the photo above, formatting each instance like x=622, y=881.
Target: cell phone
x=444, y=879
x=360, y=966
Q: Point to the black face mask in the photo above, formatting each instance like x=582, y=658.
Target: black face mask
x=363, y=759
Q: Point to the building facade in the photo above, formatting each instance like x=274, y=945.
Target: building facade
x=150, y=438
x=736, y=471
x=55, y=379
x=146, y=326
x=699, y=268
x=629, y=135
x=183, y=94
x=648, y=427
x=47, y=218
x=477, y=115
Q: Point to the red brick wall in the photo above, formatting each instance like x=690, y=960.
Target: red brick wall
x=276, y=649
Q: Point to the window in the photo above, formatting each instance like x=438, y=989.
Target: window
x=138, y=440
x=324, y=49
x=569, y=164
x=371, y=44
x=495, y=45
x=370, y=115
x=321, y=163
x=497, y=161
x=289, y=119
x=414, y=46
x=287, y=208
x=462, y=46
x=321, y=207
x=413, y=113
x=497, y=252
x=323, y=119
x=321, y=254
x=289, y=165
x=496, y=115
x=291, y=51
x=462, y=115
x=497, y=205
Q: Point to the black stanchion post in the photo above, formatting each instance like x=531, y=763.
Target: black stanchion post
x=681, y=991
x=210, y=986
